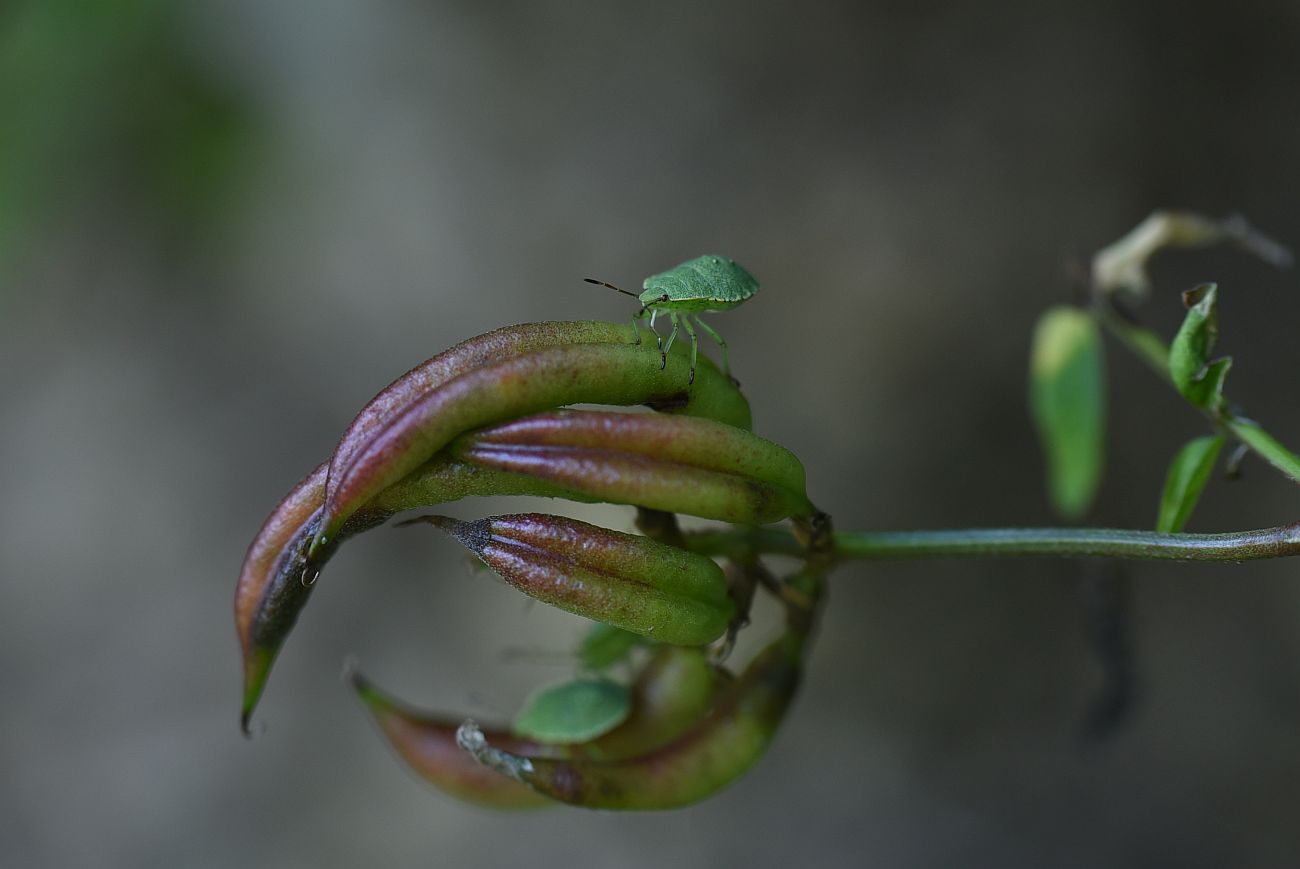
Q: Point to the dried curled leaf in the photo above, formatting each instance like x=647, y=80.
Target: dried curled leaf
x=1122, y=267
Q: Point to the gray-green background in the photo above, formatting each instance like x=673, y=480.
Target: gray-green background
x=224, y=225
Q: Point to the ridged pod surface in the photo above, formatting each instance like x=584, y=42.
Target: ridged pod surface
x=609, y=373
x=632, y=582
x=675, y=688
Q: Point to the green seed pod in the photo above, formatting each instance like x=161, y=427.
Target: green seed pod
x=703, y=468
x=676, y=687
x=273, y=586
x=427, y=743
x=532, y=382
x=674, y=464
x=718, y=749
x=494, y=346
x=705, y=758
x=635, y=583
x=275, y=579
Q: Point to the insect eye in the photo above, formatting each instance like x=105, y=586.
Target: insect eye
x=664, y=297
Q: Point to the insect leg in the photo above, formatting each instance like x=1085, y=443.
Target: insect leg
x=654, y=312
x=712, y=333
x=695, y=345
x=663, y=352
x=636, y=329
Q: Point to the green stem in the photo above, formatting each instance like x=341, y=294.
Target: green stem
x=1152, y=350
x=1264, y=445
x=1277, y=542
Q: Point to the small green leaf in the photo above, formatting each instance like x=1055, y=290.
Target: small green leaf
x=1185, y=480
x=1197, y=378
x=606, y=645
x=1067, y=399
x=574, y=711
x=1208, y=390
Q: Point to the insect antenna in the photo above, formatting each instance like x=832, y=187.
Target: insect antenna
x=611, y=286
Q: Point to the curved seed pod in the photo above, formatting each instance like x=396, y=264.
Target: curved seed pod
x=717, y=750
x=694, y=441
x=272, y=587
x=275, y=580
x=427, y=743
x=675, y=688
x=678, y=686
x=670, y=463
x=540, y=380
x=714, y=752
x=635, y=583
x=491, y=347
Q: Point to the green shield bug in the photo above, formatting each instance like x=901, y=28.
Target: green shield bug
x=706, y=283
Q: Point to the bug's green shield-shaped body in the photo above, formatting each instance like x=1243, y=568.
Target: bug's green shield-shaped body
x=706, y=283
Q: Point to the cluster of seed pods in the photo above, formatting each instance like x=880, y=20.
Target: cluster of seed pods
x=487, y=417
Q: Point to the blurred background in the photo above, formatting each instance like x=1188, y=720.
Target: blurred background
x=225, y=225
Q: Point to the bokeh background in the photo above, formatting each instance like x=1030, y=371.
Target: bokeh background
x=225, y=225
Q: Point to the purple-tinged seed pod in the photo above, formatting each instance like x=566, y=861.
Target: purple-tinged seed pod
x=720, y=748
x=493, y=346
x=275, y=579
x=427, y=744
x=623, y=374
x=674, y=464
x=632, y=582
x=673, y=690
x=692, y=441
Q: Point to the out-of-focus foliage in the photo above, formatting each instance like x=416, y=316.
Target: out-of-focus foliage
x=108, y=96
x=1067, y=396
x=1188, y=473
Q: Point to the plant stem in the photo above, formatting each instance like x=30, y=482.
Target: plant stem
x=1151, y=349
x=1277, y=542
x=1264, y=445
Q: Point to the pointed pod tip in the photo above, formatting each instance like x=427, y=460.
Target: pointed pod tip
x=257, y=666
x=365, y=690
x=472, y=535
